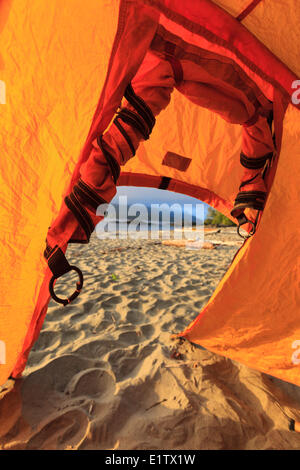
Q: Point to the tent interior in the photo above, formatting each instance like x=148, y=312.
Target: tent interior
x=55, y=61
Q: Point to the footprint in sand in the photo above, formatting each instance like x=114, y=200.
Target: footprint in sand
x=63, y=430
x=96, y=349
x=147, y=331
x=163, y=304
x=179, y=309
x=43, y=390
x=102, y=297
x=92, y=383
x=124, y=363
x=135, y=304
x=112, y=302
x=88, y=306
x=134, y=316
x=129, y=337
x=102, y=326
x=77, y=318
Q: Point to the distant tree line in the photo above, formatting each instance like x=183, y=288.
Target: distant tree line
x=217, y=219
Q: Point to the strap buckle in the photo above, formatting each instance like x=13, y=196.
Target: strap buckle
x=59, y=265
x=242, y=220
x=75, y=293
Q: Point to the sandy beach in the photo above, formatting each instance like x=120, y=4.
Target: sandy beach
x=105, y=372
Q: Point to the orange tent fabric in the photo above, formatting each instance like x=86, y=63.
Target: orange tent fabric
x=55, y=64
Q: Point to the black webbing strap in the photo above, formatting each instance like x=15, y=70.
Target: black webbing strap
x=142, y=119
x=57, y=262
x=253, y=199
x=111, y=161
x=48, y=250
x=134, y=119
x=140, y=106
x=249, y=199
x=254, y=163
x=82, y=216
x=241, y=218
x=165, y=181
x=87, y=196
x=125, y=135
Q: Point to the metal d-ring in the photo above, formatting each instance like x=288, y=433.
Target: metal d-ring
x=75, y=293
x=252, y=231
